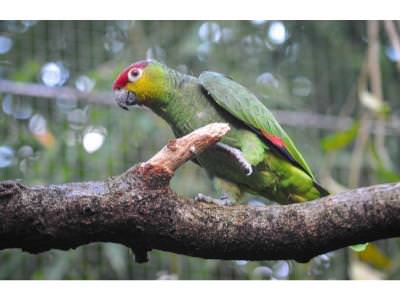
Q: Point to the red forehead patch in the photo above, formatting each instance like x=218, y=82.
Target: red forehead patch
x=122, y=78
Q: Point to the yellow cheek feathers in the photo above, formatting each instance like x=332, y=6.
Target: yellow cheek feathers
x=146, y=88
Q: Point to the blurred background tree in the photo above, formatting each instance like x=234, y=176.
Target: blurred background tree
x=332, y=84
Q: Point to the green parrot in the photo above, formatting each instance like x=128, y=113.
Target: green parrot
x=255, y=156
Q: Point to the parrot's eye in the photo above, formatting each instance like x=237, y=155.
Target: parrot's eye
x=134, y=74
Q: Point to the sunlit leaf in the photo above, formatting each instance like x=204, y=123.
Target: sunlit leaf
x=373, y=103
x=340, y=139
x=359, y=247
x=370, y=101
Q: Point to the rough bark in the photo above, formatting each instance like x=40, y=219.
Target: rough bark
x=139, y=210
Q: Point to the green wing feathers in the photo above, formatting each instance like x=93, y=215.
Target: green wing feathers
x=245, y=106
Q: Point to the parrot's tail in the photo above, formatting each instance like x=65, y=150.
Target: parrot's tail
x=323, y=192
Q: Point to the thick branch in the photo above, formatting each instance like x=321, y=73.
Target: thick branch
x=139, y=210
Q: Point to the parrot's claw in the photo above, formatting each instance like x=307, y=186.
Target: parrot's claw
x=238, y=156
x=222, y=201
x=249, y=170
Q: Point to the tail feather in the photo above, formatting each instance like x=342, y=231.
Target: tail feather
x=321, y=189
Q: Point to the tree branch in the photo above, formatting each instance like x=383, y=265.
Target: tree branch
x=302, y=119
x=139, y=210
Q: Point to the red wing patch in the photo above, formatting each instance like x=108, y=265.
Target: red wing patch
x=279, y=145
x=277, y=141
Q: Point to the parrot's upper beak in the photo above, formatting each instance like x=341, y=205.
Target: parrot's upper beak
x=125, y=99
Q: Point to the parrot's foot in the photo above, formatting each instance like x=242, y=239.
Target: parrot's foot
x=222, y=201
x=238, y=156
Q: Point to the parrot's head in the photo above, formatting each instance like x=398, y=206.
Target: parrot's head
x=141, y=83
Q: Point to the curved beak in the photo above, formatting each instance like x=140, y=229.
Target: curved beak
x=125, y=99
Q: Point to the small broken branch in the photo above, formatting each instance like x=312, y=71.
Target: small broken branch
x=139, y=210
x=177, y=152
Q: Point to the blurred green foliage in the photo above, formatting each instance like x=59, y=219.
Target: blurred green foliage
x=292, y=65
x=341, y=139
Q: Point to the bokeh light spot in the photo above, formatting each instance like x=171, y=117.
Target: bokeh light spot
x=84, y=84
x=18, y=108
x=302, y=86
x=6, y=156
x=277, y=32
x=114, y=40
x=93, y=139
x=54, y=74
x=203, y=50
x=37, y=125
x=253, y=45
x=6, y=44
x=25, y=151
x=267, y=80
x=392, y=54
x=281, y=270
x=258, y=22
x=319, y=265
x=157, y=53
x=241, y=263
x=210, y=32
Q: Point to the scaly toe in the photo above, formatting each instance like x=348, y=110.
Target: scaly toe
x=223, y=201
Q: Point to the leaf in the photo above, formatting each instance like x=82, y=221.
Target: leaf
x=28, y=72
x=372, y=255
x=370, y=101
x=386, y=175
x=374, y=103
x=359, y=247
x=383, y=173
x=340, y=139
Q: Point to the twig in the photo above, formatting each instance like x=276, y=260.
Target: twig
x=177, y=152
